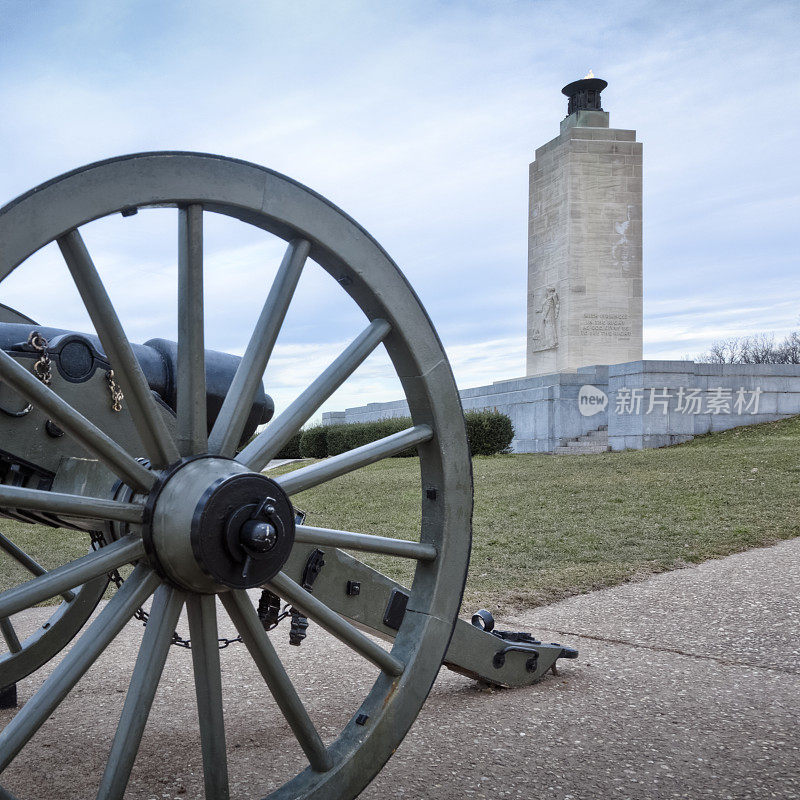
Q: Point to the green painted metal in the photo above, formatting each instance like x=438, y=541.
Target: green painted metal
x=75, y=423
x=50, y=638
x=230, y=422
x=72, y=667
x=70, y=575
x=167, y=604
x=334, y=623
x=156, y=438
x=266, y=445
x=171, y=495
x=70, y=505
x=33, y=566
x=471, y=651
x=241, y=611
x=27, y=437
x=191, y=413
x=10, y=635
x=202, y=610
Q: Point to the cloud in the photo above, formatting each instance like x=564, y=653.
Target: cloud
x=419, y=119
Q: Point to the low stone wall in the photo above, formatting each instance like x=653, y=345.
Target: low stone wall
x=658, y=403
x=543, y=410
x=643, y=403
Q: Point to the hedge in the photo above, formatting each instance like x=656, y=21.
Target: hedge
x=291, y=449
x=313, y=442
x=488, y=433
x=345, y=437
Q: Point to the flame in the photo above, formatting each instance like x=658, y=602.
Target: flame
x=589, y=74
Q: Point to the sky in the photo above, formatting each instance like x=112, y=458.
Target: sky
x=419, y=119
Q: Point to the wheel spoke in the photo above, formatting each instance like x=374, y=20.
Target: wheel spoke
x=246, y=620
x=167, y=604
x=71, y=575
x=335, y=624
x=258, y=453
x=75, y=424
x=10, y=635
x=109, y=622
x=71, y=505
x=314, y=474
x=365, y=542
x=156, y=439
x=235, y=410
x=191, y=394
x=202, y=610
x=34, y=567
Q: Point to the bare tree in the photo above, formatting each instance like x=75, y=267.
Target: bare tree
x=790, y=349
x=723, y=351
x=760, y=348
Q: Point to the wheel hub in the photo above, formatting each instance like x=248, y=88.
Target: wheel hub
x=212, y=525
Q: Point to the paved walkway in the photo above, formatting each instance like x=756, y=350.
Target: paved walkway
x=688, y=686
x=279, y=462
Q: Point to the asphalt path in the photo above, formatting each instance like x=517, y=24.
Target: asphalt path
x=687, y=686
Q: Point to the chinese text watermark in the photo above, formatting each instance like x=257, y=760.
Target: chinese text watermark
x=661, y=400
x=717, y=400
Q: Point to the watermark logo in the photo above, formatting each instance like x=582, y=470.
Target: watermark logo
x=591, y=400
x=714, y=400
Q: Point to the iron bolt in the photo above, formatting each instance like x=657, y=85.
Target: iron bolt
x=258, y=537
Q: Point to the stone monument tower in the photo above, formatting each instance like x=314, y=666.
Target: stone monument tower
x=585, y=241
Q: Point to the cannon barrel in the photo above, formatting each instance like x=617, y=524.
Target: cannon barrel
x=77, y=356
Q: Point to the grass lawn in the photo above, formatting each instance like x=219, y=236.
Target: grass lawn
x=546, y=527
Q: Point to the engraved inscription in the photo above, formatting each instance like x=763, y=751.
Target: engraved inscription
x=606, y=325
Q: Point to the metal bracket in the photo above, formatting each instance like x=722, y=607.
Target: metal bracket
x=313, y=567
x=376, y=609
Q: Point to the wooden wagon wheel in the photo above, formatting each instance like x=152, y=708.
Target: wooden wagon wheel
x=25, y=655
x=201, y=521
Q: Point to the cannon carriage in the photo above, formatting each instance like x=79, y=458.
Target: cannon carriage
x=149, y=450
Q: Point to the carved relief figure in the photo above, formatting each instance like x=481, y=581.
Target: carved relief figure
x=621, y=250
x=545, y=334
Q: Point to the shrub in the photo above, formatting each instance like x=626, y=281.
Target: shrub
x=292, y=448
x=313, y=442
x=488, y=432
x=346, y=437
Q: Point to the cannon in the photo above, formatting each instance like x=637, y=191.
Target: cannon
x=154, y=452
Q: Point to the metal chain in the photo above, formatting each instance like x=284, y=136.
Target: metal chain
x=116, y=393
x=178, y=640
x=98, y=541
x=42, y=369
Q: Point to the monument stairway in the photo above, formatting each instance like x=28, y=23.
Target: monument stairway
x=592, y=442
